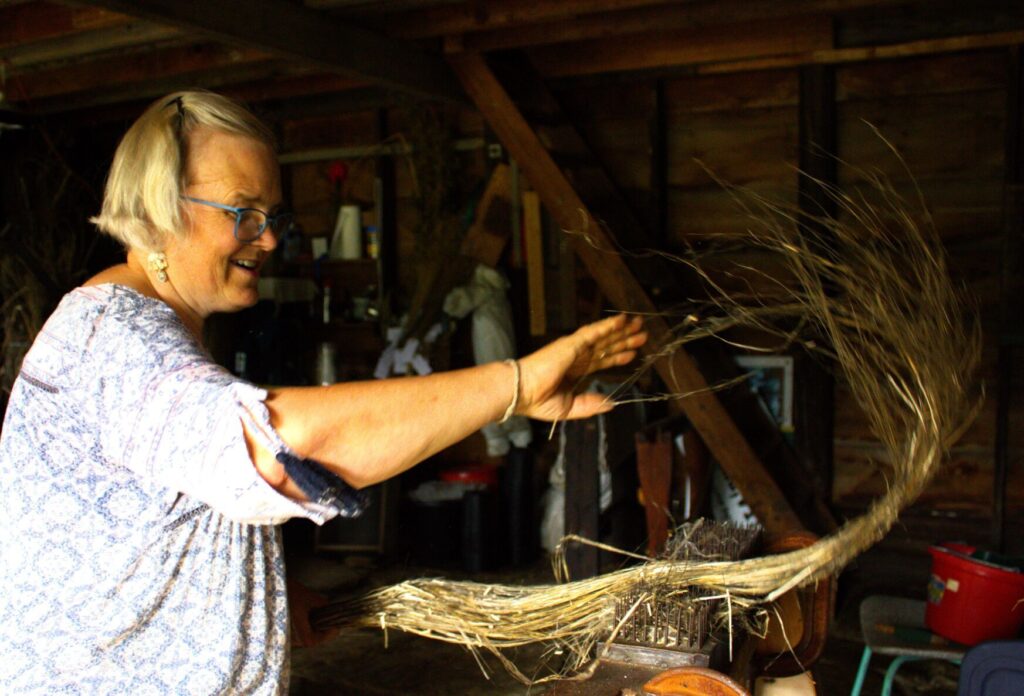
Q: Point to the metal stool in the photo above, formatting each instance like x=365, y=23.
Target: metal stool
x=895, y=626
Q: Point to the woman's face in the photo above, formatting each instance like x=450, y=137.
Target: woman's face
x=210, y=270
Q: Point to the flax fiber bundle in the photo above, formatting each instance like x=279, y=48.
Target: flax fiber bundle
x=873, y=292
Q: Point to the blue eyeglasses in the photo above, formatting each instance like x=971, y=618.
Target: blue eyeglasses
x=250, y=223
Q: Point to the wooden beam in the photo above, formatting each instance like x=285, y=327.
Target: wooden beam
x=141, y=68
x=571, y=151
x=837, y=56
x=1010, y=303
x=215, y=77
x=312, y=37
x=293, y=86
x=495, y=24
x=38, y=21
x=334, y=104
x=597, y=252
x=673, y=48
x=658, y=18
x=487, y=237
x=928, y=20
x=27, y=56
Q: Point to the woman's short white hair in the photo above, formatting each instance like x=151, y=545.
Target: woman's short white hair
x=142, y=200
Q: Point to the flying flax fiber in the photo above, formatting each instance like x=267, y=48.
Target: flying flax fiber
x=869, y=289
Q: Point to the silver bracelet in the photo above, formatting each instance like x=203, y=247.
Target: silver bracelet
x=515, y=391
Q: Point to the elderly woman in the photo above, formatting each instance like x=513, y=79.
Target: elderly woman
x=140, y=483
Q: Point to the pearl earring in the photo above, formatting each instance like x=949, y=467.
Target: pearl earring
x=158, y=264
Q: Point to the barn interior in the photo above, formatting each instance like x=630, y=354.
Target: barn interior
x=562, y=160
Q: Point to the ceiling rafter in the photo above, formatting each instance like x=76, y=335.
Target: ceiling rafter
x=178, y=62
x=219, y=78
x=516, y=23
x=38, y=21
x=657, y=18
x=496, y=14
x=86, y=45
x=686, y=47
x=306, y=36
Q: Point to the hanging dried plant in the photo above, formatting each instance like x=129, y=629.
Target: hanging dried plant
x=47, y=245
x=439, y=198
x=874, y=293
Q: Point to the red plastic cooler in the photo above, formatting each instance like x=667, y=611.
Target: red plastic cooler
x=970, y=600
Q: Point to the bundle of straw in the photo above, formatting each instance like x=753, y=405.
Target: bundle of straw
x=872, y=292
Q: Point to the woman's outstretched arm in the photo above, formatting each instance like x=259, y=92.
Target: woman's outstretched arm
x=367, y=432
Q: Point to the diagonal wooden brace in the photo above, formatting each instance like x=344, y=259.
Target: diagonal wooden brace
x=597, y=252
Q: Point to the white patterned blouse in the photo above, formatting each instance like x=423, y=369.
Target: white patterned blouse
x=138, y=546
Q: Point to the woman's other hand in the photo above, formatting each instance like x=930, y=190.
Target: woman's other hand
x=552, y=376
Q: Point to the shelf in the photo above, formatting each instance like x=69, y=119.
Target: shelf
x=349, y=337
x=350, y=274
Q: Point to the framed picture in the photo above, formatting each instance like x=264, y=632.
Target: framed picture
x=771, y=379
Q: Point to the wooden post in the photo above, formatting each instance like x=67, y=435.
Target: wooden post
x=597, y=252
x=1009, y=306
x=658, y=128
x=582, y=496
x=654, y=465
x=815, y=387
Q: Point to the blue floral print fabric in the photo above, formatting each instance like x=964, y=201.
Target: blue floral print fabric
x=138, y=546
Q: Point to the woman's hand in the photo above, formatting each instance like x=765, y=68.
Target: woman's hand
x=302, y=600
x=552, y=376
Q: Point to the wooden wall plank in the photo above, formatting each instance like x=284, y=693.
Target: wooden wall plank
x=711, y=212
x=953, y=136
x=746, y=147
x=733, y=92
x=925, y=20
x=497, y=24
x=955, y=73
x=964, y=483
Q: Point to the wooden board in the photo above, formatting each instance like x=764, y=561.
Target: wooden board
x=534, y=247
x=951, y=135
x=740, y=147
x=955, y=73
x=732, y=92
x=963, y=483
